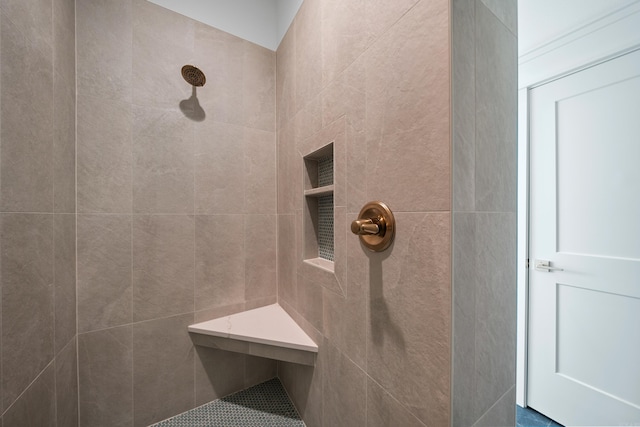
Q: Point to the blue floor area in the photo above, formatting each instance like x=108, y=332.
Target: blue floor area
x=265, y=404
x=527, y=417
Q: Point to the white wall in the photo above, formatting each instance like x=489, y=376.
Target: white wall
x=541, y=21
x=263, y=22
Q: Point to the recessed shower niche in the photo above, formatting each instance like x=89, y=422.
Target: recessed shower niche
x=319, y=207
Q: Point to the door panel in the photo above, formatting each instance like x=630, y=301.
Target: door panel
x=584, y=319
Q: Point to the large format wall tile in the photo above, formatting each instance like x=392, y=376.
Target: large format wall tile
x=308, y=52
x=345, y=391
x=484, y=188
x=260, y=235
x=408, y=344
x=64, y=146
x=344, y=35
x=495, y=307
x=496, y=98
x=287, y=259
x=220, y=260
x=463, y=104
x=258, y=88
x=345, y=316
x=505, y=11
x=502, y=413
x=220, y=56
x=64, y=41
x=163, y=168
x=104, y=271
x=408, y=111
x=163, y=375
x=105, y=49
x=67, y=386
x=219, y=168
x=64, y=243
x=33, y=17
x=384, y=411
x=382, y=14
x=105, y=360
x=36, y=407
x=259, y=171
x=27, y=121
x=285, y=78
x=26, y=242
x=464, y=315
x=163, y=41
x=104, y=155
x=218, y=373
x=163, y=266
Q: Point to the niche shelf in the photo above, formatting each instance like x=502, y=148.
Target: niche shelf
x=265, y=332
x=318, y=216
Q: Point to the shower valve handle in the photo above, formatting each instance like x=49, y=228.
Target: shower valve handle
x=363, y=227
x=375, y=226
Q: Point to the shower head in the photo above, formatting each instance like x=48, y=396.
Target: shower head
x=193, y=75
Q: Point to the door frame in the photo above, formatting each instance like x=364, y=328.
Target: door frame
x=609, y=36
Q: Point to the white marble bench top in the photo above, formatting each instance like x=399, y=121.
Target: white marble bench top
x=269, y=325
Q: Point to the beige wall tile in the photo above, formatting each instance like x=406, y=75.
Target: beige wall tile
x=344, y=35
x=383, y=410
x=287, y=259
x=408, y=342
x=105, y=50
x=259, y=87
x=382, y=14
x=104, y=155
x=163, y=375
x=159, y=55
x=408, y=111
x=37, y=405
x=26, y=242
x=163, y=265
x=218, y=373
x=220, y=56
x=105, y=361
x=26, y=169
x=163, y=161
x=289, y=171
x=219, y=168
x=104, y=271
x=259, y=172
x=285, y=77
x=66, y=365
x=308, y=53
x=34, y=17
x=64, y=146
x=220, y=260
x=344, y=391
x=260, y=236
x=64, y=246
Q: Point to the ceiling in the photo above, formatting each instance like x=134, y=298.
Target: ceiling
x=263, y=22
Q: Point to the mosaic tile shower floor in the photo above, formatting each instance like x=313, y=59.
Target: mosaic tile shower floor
x=263, y=405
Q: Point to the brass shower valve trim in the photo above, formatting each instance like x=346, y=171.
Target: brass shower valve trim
x=375, y=226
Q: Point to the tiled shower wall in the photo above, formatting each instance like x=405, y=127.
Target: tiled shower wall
x=484, y=205
x=176, y=214
x=37, y=213
x=373, y=77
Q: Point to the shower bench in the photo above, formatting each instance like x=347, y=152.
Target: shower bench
x=265, y=332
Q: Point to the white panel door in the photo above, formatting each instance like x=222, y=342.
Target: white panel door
x=584, y=315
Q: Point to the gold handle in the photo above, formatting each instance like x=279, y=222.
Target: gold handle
x=363, y=227
x=375, y=226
